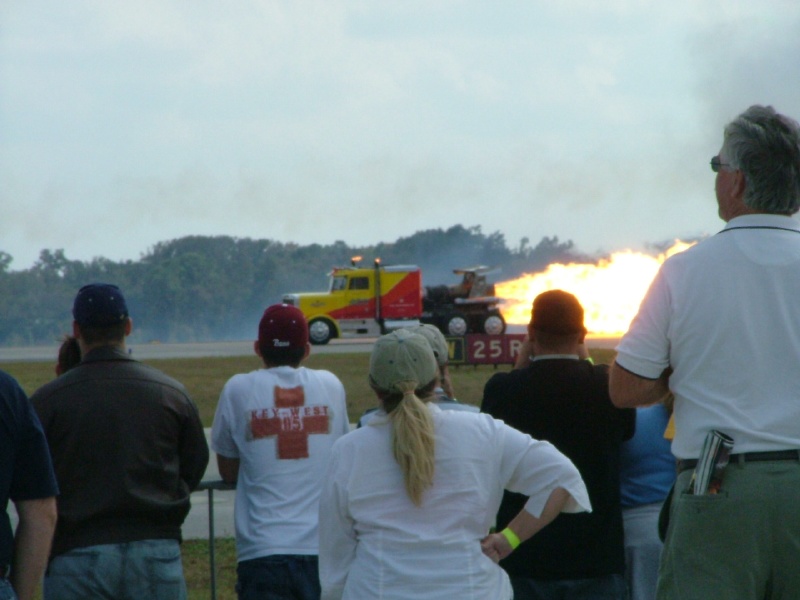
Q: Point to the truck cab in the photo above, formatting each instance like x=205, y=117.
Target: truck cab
x=362, y=302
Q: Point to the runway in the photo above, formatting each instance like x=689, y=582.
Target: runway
x=154, y=351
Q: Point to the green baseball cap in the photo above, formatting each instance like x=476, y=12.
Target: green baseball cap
x=402, y=361
x=435, y=339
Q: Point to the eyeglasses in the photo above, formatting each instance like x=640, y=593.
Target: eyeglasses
x=717, y=164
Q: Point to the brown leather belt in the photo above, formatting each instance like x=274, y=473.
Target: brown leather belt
x=691, y=463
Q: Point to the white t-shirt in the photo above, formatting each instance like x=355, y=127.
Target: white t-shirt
x=375, y=543
x=281, y=424
x=725, y=315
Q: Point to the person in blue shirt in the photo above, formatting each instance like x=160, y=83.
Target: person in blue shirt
x=647, y=472
x=27, y=479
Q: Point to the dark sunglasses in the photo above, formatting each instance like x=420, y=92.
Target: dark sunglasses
x=717, y=164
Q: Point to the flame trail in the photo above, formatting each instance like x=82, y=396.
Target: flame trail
x=610, y=291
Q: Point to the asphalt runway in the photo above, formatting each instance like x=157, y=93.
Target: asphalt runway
x=188, y=350
x=227, y=348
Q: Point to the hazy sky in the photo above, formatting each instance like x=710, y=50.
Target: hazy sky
x=123, y=124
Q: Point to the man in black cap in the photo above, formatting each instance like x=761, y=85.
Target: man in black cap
x=559, y=397
x=128, y=448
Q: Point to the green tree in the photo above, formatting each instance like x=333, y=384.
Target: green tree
x=200, y=288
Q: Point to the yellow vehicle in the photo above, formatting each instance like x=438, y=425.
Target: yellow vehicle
x=362, y=301
x=368, y=302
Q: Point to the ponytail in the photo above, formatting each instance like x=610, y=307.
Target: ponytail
x=413, y=438
x=413, y=445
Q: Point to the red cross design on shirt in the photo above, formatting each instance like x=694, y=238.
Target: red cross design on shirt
x=291, y=421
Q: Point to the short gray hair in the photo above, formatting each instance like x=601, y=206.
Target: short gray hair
x=765, y=146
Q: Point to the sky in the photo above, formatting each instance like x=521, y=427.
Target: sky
x=124, y=124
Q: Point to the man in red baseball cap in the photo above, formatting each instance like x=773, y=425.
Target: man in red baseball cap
x=273, y=432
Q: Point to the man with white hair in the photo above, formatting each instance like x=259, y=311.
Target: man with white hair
x=720, y=328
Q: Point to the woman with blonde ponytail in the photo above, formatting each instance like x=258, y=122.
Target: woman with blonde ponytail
x=413, y=443
x=409, y=499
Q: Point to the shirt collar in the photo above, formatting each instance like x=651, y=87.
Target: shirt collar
x=107, y=353
x=762, y=220
x=555, y=357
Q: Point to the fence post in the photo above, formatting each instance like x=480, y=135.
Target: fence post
x=210, y=486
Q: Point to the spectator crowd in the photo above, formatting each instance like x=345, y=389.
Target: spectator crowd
x=673, y=473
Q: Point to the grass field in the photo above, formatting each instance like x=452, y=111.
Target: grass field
x=204, y=378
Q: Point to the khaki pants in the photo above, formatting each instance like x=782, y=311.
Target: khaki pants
x=743, y=543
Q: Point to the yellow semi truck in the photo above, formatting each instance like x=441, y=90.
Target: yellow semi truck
x=368, y=302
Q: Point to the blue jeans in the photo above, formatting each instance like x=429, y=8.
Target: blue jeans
x=610, y=587
x=149, y=569
x=6, y=592
x=279, y=577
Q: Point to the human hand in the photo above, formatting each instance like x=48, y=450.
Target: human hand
x=496, y=546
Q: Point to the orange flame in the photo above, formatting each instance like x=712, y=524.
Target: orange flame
x=610, y=291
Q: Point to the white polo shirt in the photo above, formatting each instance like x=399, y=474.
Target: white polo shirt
x=725, y=315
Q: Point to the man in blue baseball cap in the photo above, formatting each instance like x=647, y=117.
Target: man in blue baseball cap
x=128, y=448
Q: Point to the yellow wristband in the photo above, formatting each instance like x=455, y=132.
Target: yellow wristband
x=590, y=359
x=512, y=538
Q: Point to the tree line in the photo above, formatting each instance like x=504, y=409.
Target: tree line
x=209, y=288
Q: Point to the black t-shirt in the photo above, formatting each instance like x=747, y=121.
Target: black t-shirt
x=565, y=401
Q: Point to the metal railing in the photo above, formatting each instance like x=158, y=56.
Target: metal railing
x=210, y=486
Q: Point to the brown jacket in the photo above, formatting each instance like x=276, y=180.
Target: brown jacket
x=128, y=448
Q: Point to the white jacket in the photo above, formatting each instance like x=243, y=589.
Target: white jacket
x=375, y=543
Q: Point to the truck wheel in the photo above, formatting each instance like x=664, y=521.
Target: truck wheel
x=494, y=325
x=455, y=324
x=320, y=331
